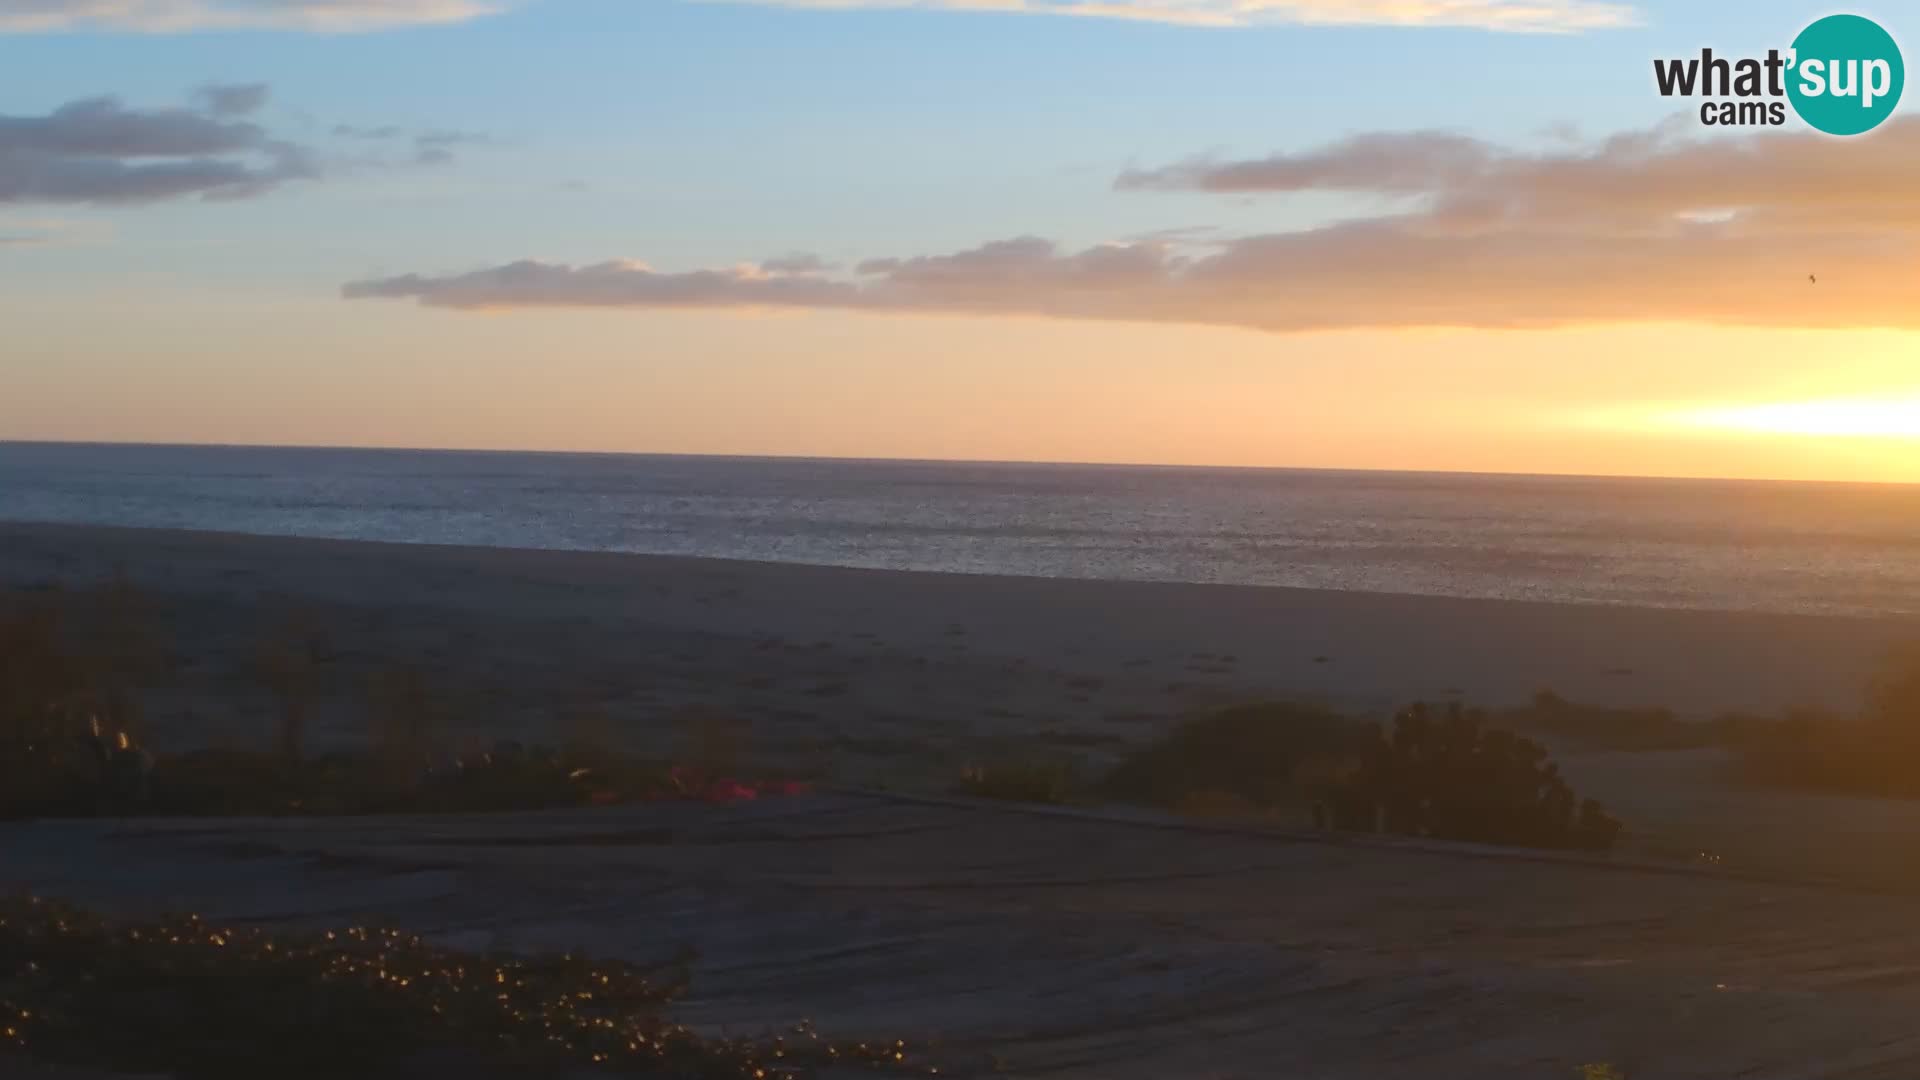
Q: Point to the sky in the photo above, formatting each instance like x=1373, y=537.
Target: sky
x=1403, y=234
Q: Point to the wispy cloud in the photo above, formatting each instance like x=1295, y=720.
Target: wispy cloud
x=1644, y=227
x=172, y=16
x=1512, y=16
x=102, y=151
x=799, y=263
x=231, y=99
x=426, y=147
x=437, y=147
x=1636, y=183
x=620, y=283
x=98, y=150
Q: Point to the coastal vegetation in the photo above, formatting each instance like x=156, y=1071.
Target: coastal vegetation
x=1045, y=779
x=195, y=999
x=1439, y=773
x=76, y=667
x=73, y=738
x=1876, y=753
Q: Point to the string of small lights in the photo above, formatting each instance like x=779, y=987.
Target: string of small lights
x=181, y=993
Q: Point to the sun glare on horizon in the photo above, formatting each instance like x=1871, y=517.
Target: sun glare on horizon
x=1880, y=418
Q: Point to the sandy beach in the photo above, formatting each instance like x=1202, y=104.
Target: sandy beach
x=1215, y=949
x=903, y=679
x=955, y=650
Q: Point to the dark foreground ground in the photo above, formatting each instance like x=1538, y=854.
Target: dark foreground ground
x=1060, y=944
x=1036, y=943
x=904, y=680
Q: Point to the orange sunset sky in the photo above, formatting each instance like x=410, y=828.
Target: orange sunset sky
x=1463, y=236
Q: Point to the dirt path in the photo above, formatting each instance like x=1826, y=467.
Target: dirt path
x=1072, y=946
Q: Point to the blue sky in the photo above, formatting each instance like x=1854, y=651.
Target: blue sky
x=712, y=133
x=697, y=135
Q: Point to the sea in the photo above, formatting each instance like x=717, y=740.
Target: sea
x=1707, y=544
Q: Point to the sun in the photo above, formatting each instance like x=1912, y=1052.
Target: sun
x=1880, y=418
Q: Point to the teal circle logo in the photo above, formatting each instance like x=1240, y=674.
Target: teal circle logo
x=1846, y=75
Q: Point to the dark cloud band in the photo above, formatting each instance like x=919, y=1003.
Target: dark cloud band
x=1643, y=227
x=100, y=151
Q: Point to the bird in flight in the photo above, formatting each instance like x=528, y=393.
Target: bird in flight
x=1811, y=280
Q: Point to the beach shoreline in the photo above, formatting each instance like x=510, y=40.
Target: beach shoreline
x=1362, y=651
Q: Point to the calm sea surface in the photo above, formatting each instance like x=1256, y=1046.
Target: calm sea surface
x=1677, y=543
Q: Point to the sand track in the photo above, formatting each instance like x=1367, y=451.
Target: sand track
x=1082, y=946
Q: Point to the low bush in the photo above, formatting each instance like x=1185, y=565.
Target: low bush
x=1876, y=753
x=1052, y=781
x=1450, y=776
x=1446, y=775
x=1870, y=755
x=1599, y=727
x=1262, y=755
x=191, y=999
x=65, y=713
x=70, y=745
x=507, y=777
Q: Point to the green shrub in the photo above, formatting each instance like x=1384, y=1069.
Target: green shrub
x=1449, y=776
x=69, y=717
x=1041, y=781
x=214, y=782
x=507, y=777
x=1877, y=753
x=1599, y=727
x=1445, y=775
x=1262, y=755
x=188, y=998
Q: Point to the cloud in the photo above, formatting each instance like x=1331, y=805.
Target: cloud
x=436, y=147
x=1388, y=162
x=427, y=147
x=799, y=262
x=350, y=131
x=99, y=151
x=172, y=16
x=423, y=147
x=1633, y=183
x=612, y=284
x=1644, y=227
x=231, y=99
x=1513, y=16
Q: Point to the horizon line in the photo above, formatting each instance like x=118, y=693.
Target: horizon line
x=1029, y=462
